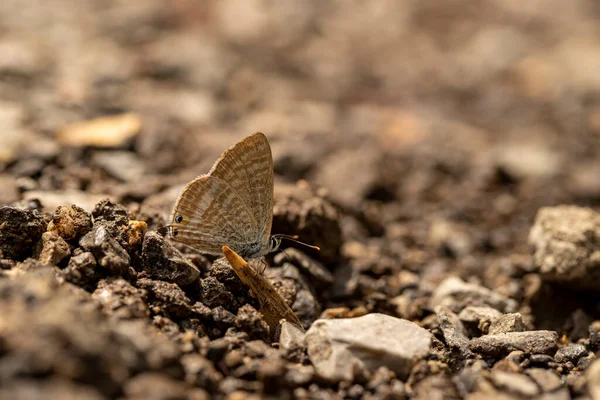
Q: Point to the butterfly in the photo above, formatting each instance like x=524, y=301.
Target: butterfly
x=232, y=205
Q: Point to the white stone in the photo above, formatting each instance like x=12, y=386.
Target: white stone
x=291, y=336
x=341, y=348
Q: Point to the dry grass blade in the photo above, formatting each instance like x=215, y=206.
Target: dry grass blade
x=273, y=307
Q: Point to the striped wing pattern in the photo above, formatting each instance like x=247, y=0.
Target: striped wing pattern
x=248, y=168
x=233, y=204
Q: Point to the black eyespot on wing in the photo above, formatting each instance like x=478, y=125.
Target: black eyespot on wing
x=179, y=218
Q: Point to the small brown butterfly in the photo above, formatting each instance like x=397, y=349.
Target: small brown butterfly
x=232, y=205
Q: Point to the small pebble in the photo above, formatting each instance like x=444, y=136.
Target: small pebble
x=572, y=352
x=532, y=342
x=457, y=294
x=508, y=323
x=107, y=251
x=161, y=261
x=54, y=249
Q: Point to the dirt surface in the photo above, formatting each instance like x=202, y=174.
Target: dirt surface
x=426, y=147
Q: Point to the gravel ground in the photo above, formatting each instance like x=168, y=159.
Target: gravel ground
x=443, y=155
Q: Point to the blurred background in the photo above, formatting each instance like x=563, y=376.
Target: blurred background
x=428, y=117
x=437, y=129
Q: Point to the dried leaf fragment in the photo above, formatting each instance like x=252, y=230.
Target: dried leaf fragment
x=273, y=307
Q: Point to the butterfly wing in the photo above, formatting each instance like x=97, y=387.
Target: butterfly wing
x=210, y=214
x=248, y=167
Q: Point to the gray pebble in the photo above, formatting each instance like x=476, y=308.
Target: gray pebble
x=532, y=342
x=508, y=323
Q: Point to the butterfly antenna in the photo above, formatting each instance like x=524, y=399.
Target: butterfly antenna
x=294, y=238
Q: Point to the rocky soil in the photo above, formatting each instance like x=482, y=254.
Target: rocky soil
x=445, y=157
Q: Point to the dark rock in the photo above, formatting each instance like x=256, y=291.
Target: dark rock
x=572, y=352
x=114, y=217
x=202, y=311
x=224, y=274
x=541, y=360
x=119, y=299
x=81, y=269
x=531, y=342
x=53, y=249
x=70, y=222
x=508, y=323
x=252, y=322
x=160, y=260
x=107, y=251
x=223, y=319
x=300, y=211
x=20, y=230
x=166, y=298
x=213, y=293
x=454, y=332
x=107, y=211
